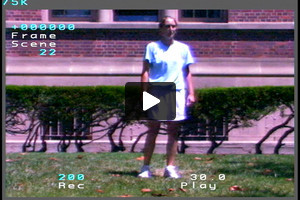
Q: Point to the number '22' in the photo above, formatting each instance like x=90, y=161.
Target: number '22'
x=43, y=52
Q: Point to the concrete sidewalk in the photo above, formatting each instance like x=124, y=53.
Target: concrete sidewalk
x=195, y=147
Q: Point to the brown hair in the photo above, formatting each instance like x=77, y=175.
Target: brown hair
x=163, y=21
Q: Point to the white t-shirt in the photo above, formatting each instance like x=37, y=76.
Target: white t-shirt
x=168, y=63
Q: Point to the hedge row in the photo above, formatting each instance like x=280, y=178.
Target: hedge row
x=62, y=103
x=241, y=103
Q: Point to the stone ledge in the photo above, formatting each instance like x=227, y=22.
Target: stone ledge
x=160, y=142
x=133, y=66
x=200, y=148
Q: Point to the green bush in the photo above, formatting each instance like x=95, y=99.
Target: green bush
x=241, y=103
x=63, y=103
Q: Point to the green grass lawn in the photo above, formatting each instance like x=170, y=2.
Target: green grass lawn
x=114, y=174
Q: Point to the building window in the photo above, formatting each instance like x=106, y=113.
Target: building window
x=203, y=15
x=136, y=15
x=73, y=15
x=203, y=130
x=56, y=130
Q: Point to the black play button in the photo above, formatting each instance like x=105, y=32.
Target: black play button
x=154, y=101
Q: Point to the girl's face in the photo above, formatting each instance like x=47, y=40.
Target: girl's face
x=168, y=30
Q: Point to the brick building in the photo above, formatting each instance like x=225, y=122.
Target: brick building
x=242, y=42
x=231, y=47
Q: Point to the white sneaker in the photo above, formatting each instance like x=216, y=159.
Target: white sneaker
x=145, y=172
x=171, y=172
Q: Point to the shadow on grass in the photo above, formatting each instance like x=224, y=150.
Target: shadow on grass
x=133, y=173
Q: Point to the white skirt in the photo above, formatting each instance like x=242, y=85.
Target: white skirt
x=161, y=110
x=181, y=97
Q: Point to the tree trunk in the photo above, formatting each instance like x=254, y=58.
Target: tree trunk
x=279, y=144
x=270, y=132
x=136, y=141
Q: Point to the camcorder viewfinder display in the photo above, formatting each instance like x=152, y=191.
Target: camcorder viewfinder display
x=157, y=99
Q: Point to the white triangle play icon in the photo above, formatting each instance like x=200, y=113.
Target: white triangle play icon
x=149, y=101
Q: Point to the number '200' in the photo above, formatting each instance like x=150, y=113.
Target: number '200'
x=71, y=177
